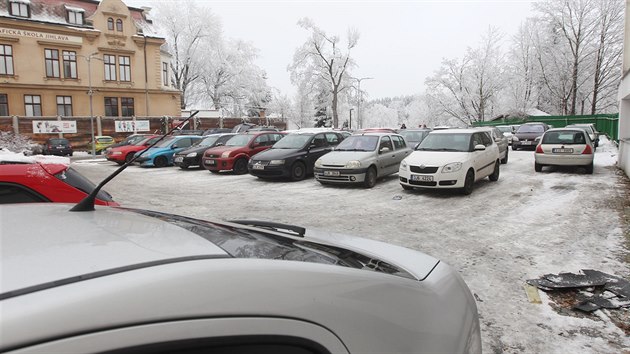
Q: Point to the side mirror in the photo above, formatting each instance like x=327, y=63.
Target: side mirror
x=174, y=146
x=383, y=150
x=537, y=138
x=480, y=147
x=219, y=144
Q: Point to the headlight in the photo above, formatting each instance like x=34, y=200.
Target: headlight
x=353, y=164
x=117, y=153
x=452, y=167
x=276, y=162
x=225, y=155
x=318, y=163
x=514, y=138
x=192, y=154
x=403, y=165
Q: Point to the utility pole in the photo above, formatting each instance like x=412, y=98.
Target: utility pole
x=350, y=125
x=360, y=98
x=90, y=93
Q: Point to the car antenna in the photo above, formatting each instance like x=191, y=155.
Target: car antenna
x=87, y=203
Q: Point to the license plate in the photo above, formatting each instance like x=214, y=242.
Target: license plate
x=526, y=143
x=258, y=167
x=179, y=159
x=422, y=178
x=209, y=162
x=331, y=173
x=562, y=151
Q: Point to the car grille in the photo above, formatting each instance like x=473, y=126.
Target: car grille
x=418, y=169
x=334, y=166
x=212, y=156
x=420, y=183
x=334, y=178
x=261, y=163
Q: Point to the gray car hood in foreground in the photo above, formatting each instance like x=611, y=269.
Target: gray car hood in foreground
x=342, y=157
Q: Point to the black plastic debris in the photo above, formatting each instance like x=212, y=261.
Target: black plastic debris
x=613, y=292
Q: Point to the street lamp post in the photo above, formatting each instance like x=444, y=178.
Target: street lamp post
x=350, y=125
x=360, y=98
x=90, y=93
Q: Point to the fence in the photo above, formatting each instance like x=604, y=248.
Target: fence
x=605, y=123
x=79, y=129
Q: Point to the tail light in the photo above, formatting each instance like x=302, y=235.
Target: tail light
x=587, y=150
x=539, y=149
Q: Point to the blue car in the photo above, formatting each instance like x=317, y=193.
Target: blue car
x=161, y=155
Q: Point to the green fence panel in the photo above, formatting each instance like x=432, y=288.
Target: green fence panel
x=605, y=123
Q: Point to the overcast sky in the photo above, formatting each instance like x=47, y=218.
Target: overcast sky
x=401, y=43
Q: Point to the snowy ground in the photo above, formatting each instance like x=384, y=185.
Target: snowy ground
x=523, y=226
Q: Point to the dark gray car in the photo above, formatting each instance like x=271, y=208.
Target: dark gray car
x=525, y=136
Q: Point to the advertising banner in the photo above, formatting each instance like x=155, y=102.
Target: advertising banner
x=54, y=126
x=132, y=125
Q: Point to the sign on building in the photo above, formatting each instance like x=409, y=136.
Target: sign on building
x=132, y=126
x=54, y=126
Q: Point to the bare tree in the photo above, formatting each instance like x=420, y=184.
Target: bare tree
x=322, y=62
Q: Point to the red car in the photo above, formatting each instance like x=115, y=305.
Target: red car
x=122, y=154
x=236, y=152
x=34, y=182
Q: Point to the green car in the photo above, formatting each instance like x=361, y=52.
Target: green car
x=102, y=142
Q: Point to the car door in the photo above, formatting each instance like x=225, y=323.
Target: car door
x=261, y=143
x=401, y=150
x=317, y=148
x=386, y=156
x=489, y=155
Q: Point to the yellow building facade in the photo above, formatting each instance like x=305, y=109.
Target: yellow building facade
x=57, y=56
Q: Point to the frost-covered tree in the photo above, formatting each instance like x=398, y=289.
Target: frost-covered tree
x=323, y=61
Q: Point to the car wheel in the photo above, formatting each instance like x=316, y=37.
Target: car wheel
x=240, y=167
x=505, y=159
x=538, y=167
x=160, y=161
x=468, y=183
x=589, y=169
x=298, y=171
x=370, y=178
x=184, y=166
x=495, y=174
x=129, y=157
x=514, y=148
x=406, y=187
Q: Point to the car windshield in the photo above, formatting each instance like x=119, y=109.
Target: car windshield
x=414, y=136
x=588, y=128
x=446, y=142
x=505, y=129
x=166, y=142
x=105, y=140
x=58, y=142
x=209, y=141
x=564, y=138
x=239, y=140
x=147, y=141
x=135, y=139
x=292, y=141
x=358, y=143
x=534, y=128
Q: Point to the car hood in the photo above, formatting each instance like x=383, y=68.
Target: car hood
x=341, y=157
x=277, y=154
x=156, y=150
x=436, y=158
x=221, y=149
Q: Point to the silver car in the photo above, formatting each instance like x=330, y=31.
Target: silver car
x=126, y=281
x=501, y=140
x=362, y=158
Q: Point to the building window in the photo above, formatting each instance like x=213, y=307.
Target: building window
x=110, y=24
x=75, y=17
x=33, y=105
x=110, y=67
x=19, y=8
x=111, y=106
x=64, y=106
x=4, y=105
x=126, y=106
x=119, y=25
x=6, y=59
x=69, y=64
x=165, y=80
x=125, y=68
x=52, y=62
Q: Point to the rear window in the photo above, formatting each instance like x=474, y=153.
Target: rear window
x=80, y=182
x=534, y=128
x=105, y=140
x=58, y=142
x=564, y=138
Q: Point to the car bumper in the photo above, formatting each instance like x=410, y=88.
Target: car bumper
x=183, y=161
x=217, y=164
x=437, y=180
x=115, y=158
x=564, y=160
x=334, y=175
x=59, y=152
x=524, y=144
x=277, y=171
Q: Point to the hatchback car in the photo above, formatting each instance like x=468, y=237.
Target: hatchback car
x=565, y=147
x=235, y=154
x=508, y=131
x=590, y=130
x=293, y=156
x=24, y=180
x=57, y=146
x=125, y=153
x=193, y=155
x=137, y=281
x=101, y=143
x=161, y=155
x=501, y=140
x=526, y=135
x=362, y=158
x=448, y=159
x=130, y=140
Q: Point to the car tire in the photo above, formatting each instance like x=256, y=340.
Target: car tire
x=514, y=148
x=184, y=166
x=160, y=161
x=505, y=159
x=538, y=167
x=370, y=178
x=298, y=171
x=406, y=187
x=589, y=169
x=240, y=167
x=468, y=183
x=129, y=157
x=495, y=174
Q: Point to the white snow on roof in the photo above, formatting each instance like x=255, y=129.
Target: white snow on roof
x=21, y=1
x=9, y=156
x=75, y=9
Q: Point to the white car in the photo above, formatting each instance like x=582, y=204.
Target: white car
x=565, y=147
x=451, y=159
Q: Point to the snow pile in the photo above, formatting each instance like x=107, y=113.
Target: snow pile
x=17, y=143
x=9, y=156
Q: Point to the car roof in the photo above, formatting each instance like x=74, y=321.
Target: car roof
x=375, y=133
x=575, y=129
x=455, y=131
x=45, y=252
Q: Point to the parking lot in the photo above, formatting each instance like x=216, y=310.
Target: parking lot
x=524, y=226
